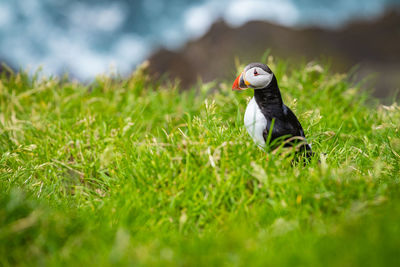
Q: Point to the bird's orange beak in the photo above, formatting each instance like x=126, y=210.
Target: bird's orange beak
x=236, y=83
x=240, y=83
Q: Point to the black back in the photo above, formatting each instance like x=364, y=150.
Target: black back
x=285, y=123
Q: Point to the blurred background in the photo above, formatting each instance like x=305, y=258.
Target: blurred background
x=200, y=39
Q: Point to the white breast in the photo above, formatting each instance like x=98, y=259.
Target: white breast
x=255, y=122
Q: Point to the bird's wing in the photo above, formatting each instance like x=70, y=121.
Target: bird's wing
x=296, y=124
x=288, y=125
x=293, y=121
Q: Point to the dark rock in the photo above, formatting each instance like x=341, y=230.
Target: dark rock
x=372, y=45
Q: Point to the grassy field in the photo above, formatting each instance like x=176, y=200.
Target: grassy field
x=131, y=172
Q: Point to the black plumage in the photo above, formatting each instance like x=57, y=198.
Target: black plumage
x=281, y=117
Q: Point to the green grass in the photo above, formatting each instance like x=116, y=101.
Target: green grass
x=131, y=172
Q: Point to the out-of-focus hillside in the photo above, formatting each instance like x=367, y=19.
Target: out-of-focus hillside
x=372, y=45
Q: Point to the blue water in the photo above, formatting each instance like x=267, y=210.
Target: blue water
x=90, y=37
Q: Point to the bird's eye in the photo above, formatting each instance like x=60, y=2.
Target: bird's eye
x=255, y=72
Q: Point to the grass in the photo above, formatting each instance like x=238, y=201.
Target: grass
x=131, y=172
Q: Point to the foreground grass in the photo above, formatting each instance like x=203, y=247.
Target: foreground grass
x=132, y=172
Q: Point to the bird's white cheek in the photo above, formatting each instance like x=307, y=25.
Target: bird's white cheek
x=259, y=81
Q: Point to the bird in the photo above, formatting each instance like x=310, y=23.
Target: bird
x=266, y=110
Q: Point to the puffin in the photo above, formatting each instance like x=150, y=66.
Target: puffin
x=266, y=109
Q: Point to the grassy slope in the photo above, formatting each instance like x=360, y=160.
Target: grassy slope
x=132, y=172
